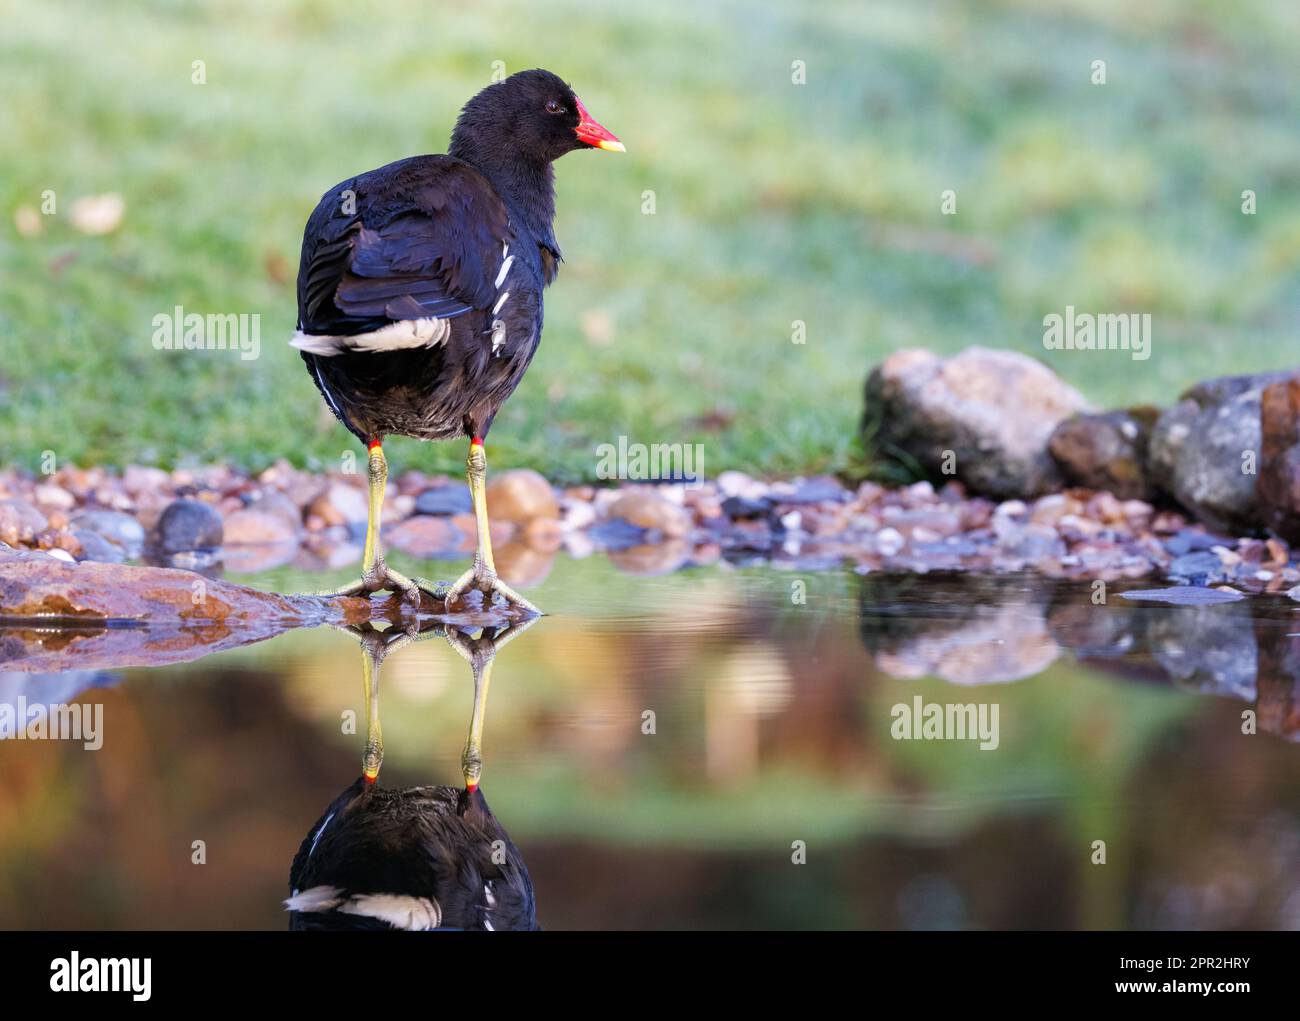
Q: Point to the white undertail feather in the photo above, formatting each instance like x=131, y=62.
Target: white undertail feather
x=407, y=333
x=318, y=898
x=401, y=911
x=413, y=914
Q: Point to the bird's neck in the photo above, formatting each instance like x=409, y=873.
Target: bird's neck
x=527, y=187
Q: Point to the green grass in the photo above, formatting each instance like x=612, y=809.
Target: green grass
x=774, y=203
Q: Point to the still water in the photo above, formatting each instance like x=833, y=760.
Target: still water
x=716, y=748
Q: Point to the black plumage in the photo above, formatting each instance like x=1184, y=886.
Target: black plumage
x=427, y=238
x=420, y=295
x=422, y=857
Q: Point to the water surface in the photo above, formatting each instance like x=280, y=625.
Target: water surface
x=711, y=748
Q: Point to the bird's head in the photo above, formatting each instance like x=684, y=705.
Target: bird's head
x=533, y=114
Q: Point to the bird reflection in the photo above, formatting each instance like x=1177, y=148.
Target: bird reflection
x=430, y=857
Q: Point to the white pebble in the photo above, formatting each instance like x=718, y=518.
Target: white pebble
x=889, y=541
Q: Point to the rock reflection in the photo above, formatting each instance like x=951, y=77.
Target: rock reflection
x=992, y=629
x=417, y=858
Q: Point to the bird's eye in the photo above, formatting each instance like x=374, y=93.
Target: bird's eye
x=552, y=106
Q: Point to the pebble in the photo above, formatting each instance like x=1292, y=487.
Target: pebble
x=519, y=495
x=51, y=497
x=188, y=525
x=425, y=536
x=646, y=509
x=317, y=520
x=254, y=526
x=453, y=498
x=1200, y=568
x=616, y=534
x=118, y=528
x=19, y=522
x=96, y=547
x=746, y=507
x=340, y=504
x=889, y=541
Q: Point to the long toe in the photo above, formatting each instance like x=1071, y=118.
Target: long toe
x=510, y=596
x=459, y=587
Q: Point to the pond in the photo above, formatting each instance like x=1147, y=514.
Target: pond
x=729, y=746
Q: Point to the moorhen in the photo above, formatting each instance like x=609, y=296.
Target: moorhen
x=429, y=857
x=420, y=293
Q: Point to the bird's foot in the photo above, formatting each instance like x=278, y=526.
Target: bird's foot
x=382, y=578
x=487, y=582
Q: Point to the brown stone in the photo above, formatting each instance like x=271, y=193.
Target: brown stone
x=1277, y=488
x=1107, y=451
x=253, y=527
x=523, y=566
x=520, y=495
x=500, y=532
x=35, y=586
x=340, y=504
x=19, y=522
x=543, y=534
x=646, y=509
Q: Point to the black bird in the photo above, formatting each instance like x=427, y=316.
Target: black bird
x=420, y=292
x=419, y=858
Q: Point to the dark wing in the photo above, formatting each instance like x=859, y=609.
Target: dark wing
x=423, y=237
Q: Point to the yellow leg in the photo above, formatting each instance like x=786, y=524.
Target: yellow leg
x=376, y=575
x=480, y=654
x=372, y=559
x=373, y=757
x=471, y=760
x=483, y=575
x=476, y=472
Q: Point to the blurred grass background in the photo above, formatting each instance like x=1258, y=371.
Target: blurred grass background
x=774, y=202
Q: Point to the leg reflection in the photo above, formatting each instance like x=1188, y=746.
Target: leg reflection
x=423, y=857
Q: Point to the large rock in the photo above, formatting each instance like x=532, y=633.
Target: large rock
x=1202, y=447
x=1277, y=489
x=37, y=587
x=1107, y=451
x=993, y=410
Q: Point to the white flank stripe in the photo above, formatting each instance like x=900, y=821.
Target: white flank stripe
x=500, y=301
x=505, y=268
x=407, y=333
x=401, y=912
